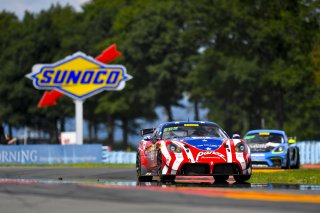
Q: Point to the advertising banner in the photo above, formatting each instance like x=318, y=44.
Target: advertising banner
x=50, y=154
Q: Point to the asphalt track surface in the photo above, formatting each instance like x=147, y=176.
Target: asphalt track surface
x=77, y=190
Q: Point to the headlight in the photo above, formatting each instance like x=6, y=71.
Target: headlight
x=279, y=149
x=174, y=148
x=240, y=147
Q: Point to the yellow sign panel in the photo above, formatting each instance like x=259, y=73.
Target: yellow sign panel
x=79, y=76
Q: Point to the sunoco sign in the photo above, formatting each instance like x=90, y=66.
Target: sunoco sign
x=79, y=76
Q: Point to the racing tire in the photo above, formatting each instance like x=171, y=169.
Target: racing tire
x=220, y=178
x=297, y=165
x=288, y=163
x=163, y=178
x=241, y=178
x=141, y=178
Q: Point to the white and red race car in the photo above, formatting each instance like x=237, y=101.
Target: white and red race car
x=192, y=148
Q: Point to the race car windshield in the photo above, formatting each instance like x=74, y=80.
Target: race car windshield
x=193, y=130
x=264, y=138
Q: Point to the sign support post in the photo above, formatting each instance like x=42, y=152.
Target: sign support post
x=79, y=121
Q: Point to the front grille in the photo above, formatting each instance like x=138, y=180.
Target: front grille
x=259, y=164
x=195, y=169
x=226, y=169
x=277, y=162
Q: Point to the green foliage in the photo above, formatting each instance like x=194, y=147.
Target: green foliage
x=253, y=64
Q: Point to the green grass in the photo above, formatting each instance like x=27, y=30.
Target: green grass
x=301, y=176
x=80, y=165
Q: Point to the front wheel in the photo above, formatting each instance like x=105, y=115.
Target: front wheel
x=297, y=165
x=163, y=178
x=288, y=163
x=241, y=178
x=141, y=178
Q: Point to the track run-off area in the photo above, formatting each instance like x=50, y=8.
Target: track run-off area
x=59, y=189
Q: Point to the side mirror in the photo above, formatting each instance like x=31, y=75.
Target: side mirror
x=146, y=131
x=235, y=136
x=292, y=140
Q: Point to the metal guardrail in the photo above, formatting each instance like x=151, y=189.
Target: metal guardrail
x=309, y=154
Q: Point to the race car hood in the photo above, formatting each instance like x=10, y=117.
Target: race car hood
x=204, y=143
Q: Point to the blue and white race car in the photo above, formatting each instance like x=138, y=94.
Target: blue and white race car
x=272, y=148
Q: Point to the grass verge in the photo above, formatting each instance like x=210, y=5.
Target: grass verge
x=300, y=176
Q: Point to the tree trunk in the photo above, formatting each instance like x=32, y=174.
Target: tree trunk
x=90, y=131
x=196, y=110
x=110, y=130
x=10, y=130
x=168, y=112
x=53, y=132
x=125, y=132
x=279, y=109
x=95, y=132
x=56, y=132
x=228, y=122
x=255, y=120
x=62, y=124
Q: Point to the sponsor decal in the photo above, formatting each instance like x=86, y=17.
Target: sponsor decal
x=249, y=137
x=258, y=146
x=264, y=133
x=191, y=125
x=208, y=145
x=208, y=154
x=170, y=129
x=262, y=146
x=19, y=156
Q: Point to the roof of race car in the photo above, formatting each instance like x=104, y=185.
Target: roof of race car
x=266, y=130
x=186, y=122
x=214, y=142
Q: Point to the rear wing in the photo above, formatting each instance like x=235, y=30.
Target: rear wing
x=146, y=131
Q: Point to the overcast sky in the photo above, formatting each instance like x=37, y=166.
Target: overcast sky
x=19, y=6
